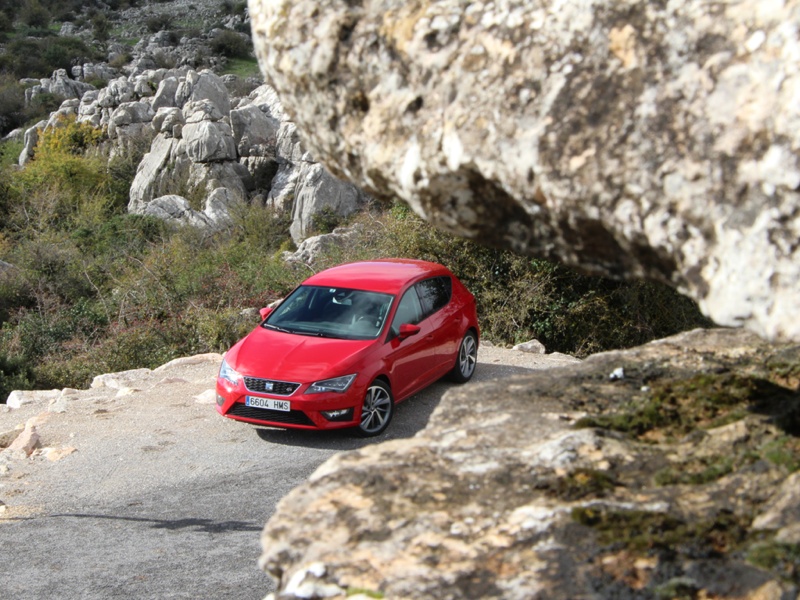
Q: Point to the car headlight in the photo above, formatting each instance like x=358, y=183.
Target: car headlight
x=228, y=374
x=337, y=384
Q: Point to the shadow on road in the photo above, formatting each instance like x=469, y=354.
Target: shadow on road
x=200, y=525
x=411, y=416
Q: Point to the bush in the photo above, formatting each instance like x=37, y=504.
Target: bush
x=30, y=57
x=101, y=27
x=159, y=22
x=34, y=15
x=231, y=44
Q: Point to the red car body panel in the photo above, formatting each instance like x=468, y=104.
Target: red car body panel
x=407, y=364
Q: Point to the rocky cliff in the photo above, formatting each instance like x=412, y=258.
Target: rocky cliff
x=628, y=138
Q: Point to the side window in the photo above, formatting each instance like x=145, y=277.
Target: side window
x=435, y=293
x=408, y=311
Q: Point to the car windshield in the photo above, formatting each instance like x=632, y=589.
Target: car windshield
x=331, y=312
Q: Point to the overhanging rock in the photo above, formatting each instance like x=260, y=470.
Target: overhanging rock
x=627, y=138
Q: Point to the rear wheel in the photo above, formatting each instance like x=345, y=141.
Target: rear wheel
x=377, y=410
x=466, y=359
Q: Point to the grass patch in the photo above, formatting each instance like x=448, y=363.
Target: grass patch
x=675, y=407
x=781, y=559
x=579, y=484
x=242, y=67
x=645, y=533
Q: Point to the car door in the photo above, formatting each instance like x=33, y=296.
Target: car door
x=435, y=294
x=410, y=361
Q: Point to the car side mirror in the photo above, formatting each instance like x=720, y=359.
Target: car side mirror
x=407, y=330
x=264, y=312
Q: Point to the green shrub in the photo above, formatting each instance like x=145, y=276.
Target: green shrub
x=32, y=57
x=14, y=375
x=101, y=27
x=12, y=103
x=231, y=44
x=325, y=221
x=158, y=22
x=34, y=15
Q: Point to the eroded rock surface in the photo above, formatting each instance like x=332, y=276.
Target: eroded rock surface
x=630, y=138
x=504, y=496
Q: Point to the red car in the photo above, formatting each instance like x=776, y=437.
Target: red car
x=348, y=344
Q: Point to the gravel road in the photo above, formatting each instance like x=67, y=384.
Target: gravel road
x=143, y=491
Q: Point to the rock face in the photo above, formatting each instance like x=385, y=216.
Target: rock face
x=502, y=496
x=629, y=138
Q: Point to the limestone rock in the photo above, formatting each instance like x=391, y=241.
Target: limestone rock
x=533, y=346
x=501, y=497
x=153, y=178
x=209, y=141
x=316, y=191
x=196, y=359
x=627, y=138
x=254, y=132
x=30, y=139
x=783, y=512
x=26, y=442
x=176, y=209
x=169, y=121
x=120, y=379
x=19, y=398
x=204, y=86
x=165, y=94
x=311, y=248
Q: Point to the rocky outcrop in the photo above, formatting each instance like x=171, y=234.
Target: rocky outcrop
x=628, y=138
x=312, y=248
x=59, y=84
x=209, y=150
x=569, y=483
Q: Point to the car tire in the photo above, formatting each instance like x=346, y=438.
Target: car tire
x=466, y=359
x=377, y=410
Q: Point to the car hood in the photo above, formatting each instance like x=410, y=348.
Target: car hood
x=270, y=354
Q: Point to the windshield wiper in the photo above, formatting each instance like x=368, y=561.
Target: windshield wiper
x=276, y=328
x=322, y=334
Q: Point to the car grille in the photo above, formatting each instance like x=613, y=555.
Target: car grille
x=267, y=386
x=292, y=417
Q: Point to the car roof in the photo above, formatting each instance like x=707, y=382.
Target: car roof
x=385, y=275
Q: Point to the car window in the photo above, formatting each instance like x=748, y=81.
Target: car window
x=434, y=293
x=331, y=312
x=408, y=311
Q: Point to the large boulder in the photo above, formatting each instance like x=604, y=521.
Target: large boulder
x=501, y=496
x=628, y=138
x=30, y=139
x=204, y=85
x=254, y=131
x=176, y=209
x=161, y=172
x=317, y=191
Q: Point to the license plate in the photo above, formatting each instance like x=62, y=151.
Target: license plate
x=269, y=403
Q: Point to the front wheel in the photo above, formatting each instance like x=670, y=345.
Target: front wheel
x=466, y=359
x=377, y=410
